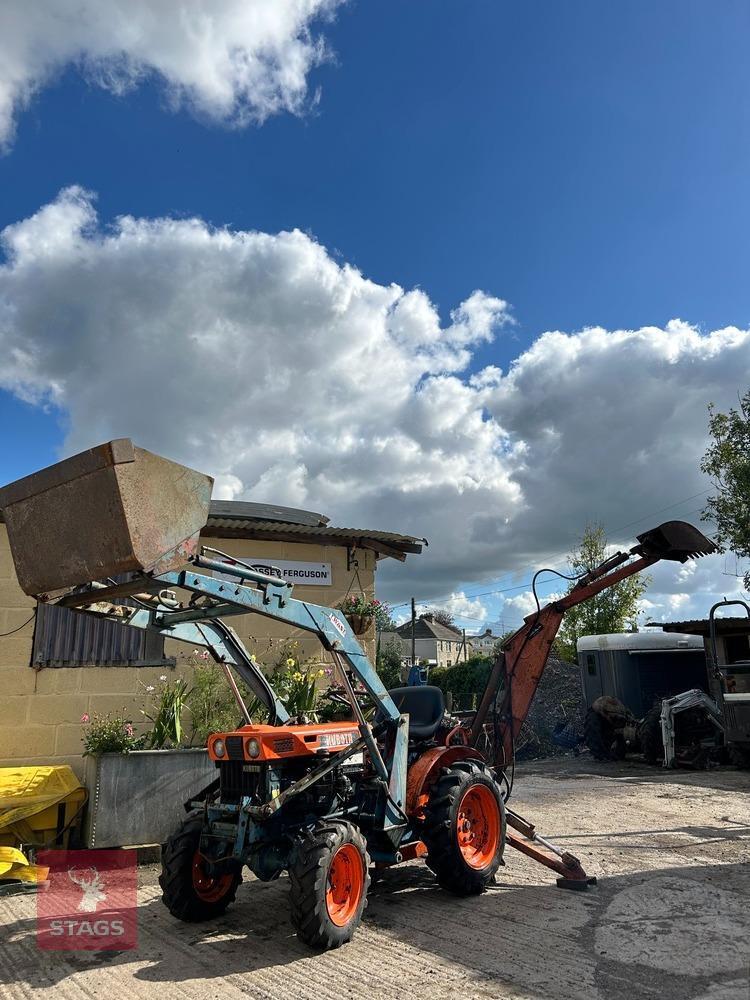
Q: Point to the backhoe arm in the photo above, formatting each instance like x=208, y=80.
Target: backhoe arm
x=522, y=660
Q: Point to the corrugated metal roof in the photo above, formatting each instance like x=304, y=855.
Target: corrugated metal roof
x=240, y=519
x=244, y=509
x=700, y=626
x=380, y=541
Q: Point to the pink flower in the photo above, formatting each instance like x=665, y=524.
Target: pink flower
x=204, y=654
x=328, y=671
x=85, y=717
x=128, y=729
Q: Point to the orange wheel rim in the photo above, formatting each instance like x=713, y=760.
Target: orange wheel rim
x=346, y=882
x=478, y=827
x=209, y=888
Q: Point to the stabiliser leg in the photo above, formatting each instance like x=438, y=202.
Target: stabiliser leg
x=524, y=838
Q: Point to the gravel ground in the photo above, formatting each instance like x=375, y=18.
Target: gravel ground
x=669, y=918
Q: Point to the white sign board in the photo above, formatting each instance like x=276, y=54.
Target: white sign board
x=301, y=574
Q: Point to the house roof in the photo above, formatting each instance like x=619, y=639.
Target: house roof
x=386, y=637
x=239, y=519
x=428, y=628
x=700, y=626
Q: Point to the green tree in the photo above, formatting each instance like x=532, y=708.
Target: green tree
x=388, y=664
x=384, y=620
x=727, y=462
x=614, y=610
x=443, y=616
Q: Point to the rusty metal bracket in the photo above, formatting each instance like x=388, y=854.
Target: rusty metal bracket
x=530, y=843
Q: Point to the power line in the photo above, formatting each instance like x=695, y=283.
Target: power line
x=525, y=586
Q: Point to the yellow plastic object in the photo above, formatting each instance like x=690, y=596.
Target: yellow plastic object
x=15, y=867
x=38, y=805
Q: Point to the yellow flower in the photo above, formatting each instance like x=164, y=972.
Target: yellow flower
x=290, y=662
x=321, y=672
x=297, y=676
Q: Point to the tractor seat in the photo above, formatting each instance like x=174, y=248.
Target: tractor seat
x=425, y=706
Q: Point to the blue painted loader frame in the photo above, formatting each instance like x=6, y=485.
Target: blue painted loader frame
x=152, y=606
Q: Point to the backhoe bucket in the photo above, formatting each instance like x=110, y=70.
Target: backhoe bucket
x=676, y=540
x=113, y=509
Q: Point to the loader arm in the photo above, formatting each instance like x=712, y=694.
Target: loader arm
x=518, y=668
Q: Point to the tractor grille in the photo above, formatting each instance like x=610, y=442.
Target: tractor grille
x=283, y=744
x=236, y=781
x=234, y=748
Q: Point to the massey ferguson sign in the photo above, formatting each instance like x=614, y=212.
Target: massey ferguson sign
x=90, y=901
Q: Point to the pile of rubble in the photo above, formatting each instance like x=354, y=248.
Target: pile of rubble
x=554, y=726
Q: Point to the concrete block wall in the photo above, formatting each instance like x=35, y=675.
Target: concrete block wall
x=40, y=710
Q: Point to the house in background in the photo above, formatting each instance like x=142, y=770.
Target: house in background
x=58, y=665
x=436, y=644
x=484, y=644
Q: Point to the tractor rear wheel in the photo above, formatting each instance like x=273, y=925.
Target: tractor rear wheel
x=650, y=735
x=600, y=737
x=192, y=889
x=328, y=882
x=464, y=828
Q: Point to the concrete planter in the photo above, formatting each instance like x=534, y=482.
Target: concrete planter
x=137, y=798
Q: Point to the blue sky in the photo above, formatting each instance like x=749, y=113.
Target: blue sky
x=585, y=162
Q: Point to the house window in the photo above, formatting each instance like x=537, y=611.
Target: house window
x=450, y=663
x=65, y=638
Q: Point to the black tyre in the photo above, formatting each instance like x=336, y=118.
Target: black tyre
x=739, y=755
x=650, y=736
x=601, y=737
x=191, y=890
x=464, y=828
x=328, y=884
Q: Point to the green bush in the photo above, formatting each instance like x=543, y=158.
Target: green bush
x=211, y=703
x=388, y=664
x=110, y=733
x=463, y=681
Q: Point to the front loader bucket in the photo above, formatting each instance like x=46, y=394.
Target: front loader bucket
x=675, y=540
x=110, y=510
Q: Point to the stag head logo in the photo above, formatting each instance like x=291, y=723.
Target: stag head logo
x=89, y=882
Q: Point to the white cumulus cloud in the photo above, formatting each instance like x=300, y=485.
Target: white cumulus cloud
x=293, y=378
x=232, y=61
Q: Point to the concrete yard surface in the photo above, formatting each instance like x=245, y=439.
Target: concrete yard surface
x=669, y=918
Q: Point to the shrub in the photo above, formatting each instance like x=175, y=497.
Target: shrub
x=165, y=714
x=464, y=680
x=110, y=733
x=388, y=664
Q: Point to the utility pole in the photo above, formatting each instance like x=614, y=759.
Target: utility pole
x=413, y=632
x=466, y=652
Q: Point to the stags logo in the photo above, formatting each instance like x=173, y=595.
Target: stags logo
x=90, y=901
x=88, y=880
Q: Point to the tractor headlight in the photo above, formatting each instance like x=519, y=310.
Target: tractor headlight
x=219, y=748
x=253, y=748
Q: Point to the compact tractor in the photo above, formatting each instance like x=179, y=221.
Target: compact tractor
x=114, y=532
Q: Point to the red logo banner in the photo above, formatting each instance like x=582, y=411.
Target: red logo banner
x=90, y=902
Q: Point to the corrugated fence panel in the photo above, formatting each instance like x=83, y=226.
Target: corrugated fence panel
x=64, y=638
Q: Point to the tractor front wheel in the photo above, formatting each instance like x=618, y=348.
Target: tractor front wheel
x=328, y=883
x=464, y=828
x=192, y=888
